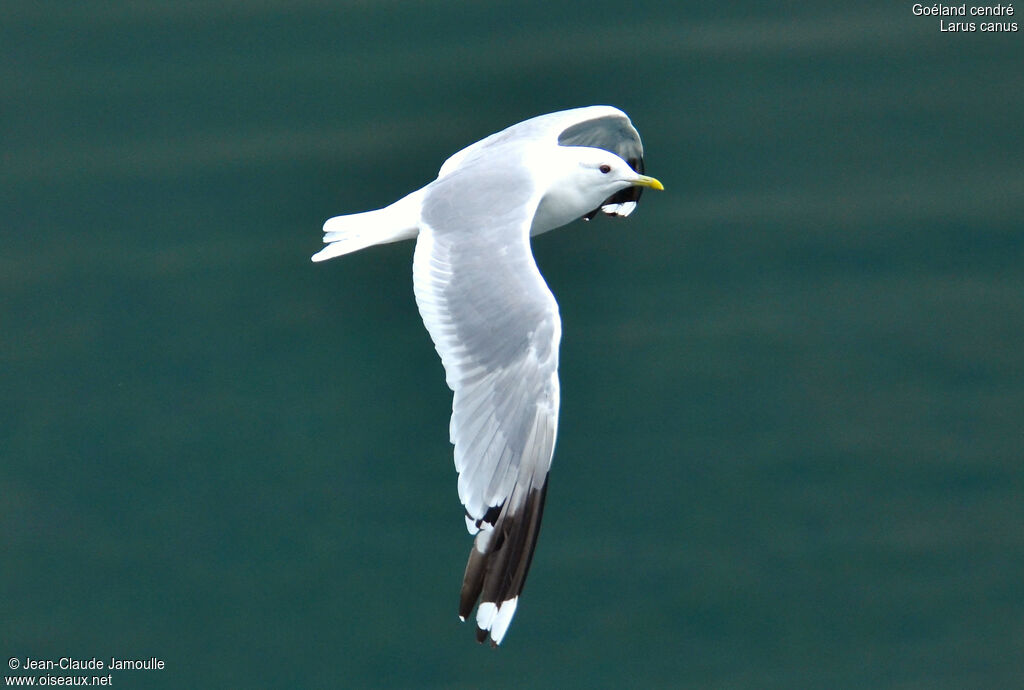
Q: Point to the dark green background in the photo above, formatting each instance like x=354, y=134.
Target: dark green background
x=790, y=452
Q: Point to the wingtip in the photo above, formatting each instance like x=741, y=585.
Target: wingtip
x=493, y=620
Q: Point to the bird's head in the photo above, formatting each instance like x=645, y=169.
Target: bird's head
x=580, y=180
x=605, y=173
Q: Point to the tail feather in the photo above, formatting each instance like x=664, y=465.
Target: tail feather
x=347, y=234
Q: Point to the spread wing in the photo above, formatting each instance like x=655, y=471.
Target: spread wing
x=495, y=324
x=598, y=126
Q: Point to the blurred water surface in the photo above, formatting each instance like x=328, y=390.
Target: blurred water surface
x=793, y=386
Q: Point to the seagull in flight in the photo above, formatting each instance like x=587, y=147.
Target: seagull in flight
x=493, y=320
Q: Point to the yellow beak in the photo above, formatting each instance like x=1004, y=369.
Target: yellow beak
x=644, y=181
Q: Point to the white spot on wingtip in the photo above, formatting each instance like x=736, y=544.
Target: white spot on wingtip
x=485, y=614
x=623, y=209
x=499, y=626
x=496, y=619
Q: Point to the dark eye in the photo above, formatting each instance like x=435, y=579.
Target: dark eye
x=605, y=169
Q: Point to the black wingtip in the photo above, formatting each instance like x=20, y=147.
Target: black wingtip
x=497, y=575
x=472, y=582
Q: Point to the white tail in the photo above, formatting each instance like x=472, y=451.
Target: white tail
x=347, y=234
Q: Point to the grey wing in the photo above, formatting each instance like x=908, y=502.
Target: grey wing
x=611, y=132
x=597, y=126
x=600, y=126
x=496, y=326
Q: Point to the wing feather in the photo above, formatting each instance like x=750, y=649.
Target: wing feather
x=496, y=327
x=599, y=126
